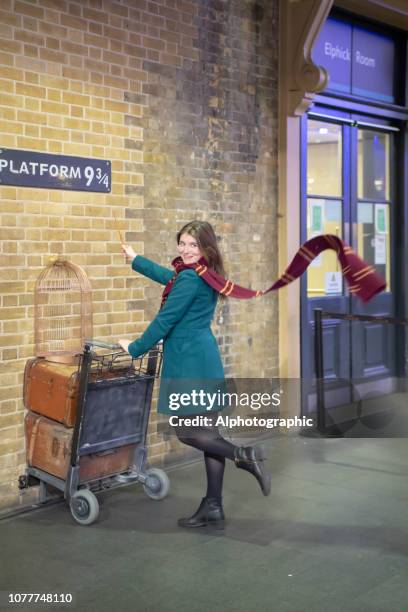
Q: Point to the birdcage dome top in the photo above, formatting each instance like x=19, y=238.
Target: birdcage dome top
x=63, y=310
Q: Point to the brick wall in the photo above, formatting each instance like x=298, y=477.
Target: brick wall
x=181, y=96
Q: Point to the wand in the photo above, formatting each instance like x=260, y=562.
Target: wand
x=118, y=229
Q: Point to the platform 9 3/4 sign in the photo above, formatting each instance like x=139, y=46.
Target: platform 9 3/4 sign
x=47, y=171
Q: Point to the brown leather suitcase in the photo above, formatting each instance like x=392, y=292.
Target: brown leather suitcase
x=51, y=389
x=48, y=447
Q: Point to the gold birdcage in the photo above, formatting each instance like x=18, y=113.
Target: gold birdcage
x=62, y=311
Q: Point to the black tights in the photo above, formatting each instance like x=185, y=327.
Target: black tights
x=216, y=449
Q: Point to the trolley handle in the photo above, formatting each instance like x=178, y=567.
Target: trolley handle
x=100, y=344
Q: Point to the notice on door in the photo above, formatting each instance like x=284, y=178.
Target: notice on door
x=380, y=249
x=334, y=282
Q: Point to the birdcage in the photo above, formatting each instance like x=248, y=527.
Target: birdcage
x=63, y=311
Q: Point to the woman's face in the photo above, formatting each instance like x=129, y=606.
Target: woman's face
x=188, y=249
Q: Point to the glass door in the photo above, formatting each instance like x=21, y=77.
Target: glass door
x=325, y=210
x=347, y=191
x=373, y=344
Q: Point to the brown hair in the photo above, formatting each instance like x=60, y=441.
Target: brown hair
x=206, y=239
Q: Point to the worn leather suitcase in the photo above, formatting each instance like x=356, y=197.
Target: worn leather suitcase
x=51, y=389
x=48, y=447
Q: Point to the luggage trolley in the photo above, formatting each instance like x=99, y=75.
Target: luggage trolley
x=114, y=399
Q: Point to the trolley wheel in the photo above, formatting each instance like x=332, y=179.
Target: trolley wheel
x=84, y=507
x=157, y=484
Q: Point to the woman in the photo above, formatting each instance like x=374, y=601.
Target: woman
x=191, y=352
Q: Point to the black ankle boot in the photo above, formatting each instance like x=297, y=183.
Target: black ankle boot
x=210, y=512
x=250, y=458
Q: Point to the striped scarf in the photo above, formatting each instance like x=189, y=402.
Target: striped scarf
x=361, y=277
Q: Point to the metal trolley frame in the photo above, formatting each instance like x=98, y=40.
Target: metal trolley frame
x=114, y=399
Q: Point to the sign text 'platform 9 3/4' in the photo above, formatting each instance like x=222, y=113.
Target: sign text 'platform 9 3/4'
x=47, y=171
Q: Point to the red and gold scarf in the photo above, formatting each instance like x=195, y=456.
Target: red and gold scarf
x=362, y=278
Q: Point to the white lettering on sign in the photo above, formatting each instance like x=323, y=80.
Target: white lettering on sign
x=35, y=168
x=365, y=60
x=337, y=52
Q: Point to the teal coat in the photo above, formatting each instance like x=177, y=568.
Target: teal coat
x=191, y=357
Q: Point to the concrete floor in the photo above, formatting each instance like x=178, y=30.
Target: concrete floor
x=332, y=536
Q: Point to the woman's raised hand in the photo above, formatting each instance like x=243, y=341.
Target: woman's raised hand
x=124, y=343
x=128, y=253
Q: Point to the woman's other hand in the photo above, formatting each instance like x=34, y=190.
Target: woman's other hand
x=128, y=253
x=124, y=344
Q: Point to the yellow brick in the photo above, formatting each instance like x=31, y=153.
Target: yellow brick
x=31, y=194
x=119, y=107
x=12, y=313
x=10, y=421
x=28, y=9
x=77, y=222
x=94, y=211
x=29, y=143
x=50, y=55
x=77, y=149
x=8, y=354
x=95, y=114
x=56, y=234
x=8, y=461
x=8, y=380
x=74, y=73
x=8, y=113
x=77, y=137
x=32, y=130
x=11, y=233
x=76, y=124
x=53, y=82
x=9, y=405
x=9, y=327
x=31, y=117
x=36, y=246
x=54, y=107
x=31, y=77
x=26, y=299
x=30, y=90
x=97, y=139
x=6, y=59
x=78, y=235
x=12, y=392
x=10, y=46
x=11, y=100
x=77, y=111
x=32, y=104
x=10, y=447
x=7, y=140
x=13, y=260
x=6, y=86
x=10, y=300
x=7, y=15
x=27, y=350
x=54, y=95
x=75, y=98
x=55, y=147
x=53, y=133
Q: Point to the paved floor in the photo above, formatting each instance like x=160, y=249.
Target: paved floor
x=332, y=536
